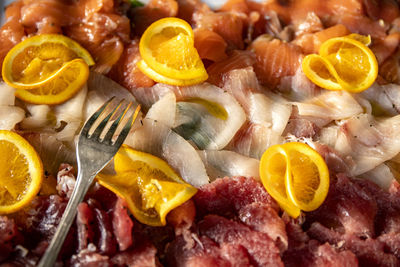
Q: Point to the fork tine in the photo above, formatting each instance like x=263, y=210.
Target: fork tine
x=114, y=126
x=94, y=117
x=125, y=131
x=97, y=132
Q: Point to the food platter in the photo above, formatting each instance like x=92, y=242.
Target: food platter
x=268, y=132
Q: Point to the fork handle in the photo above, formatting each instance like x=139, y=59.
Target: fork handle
x=82, y=185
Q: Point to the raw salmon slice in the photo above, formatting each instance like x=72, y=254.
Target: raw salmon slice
x=126, y=73
x=384, y=48
x=143, y=17
x=275, y=59
x=12, y=31
x=209, y=45
x=311, y=42
x=236, y=60
x=227, y=24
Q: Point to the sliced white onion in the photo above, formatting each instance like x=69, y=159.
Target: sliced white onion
x=228, y=163
x=164, y=110
x=253, y=139
x=268, y=113
x=39, y=117
x=158, y=139
x=148, y=96
x=371, y=142
x=262, y=108
x=10, y=116
x=52, y=151
x=196, y=123
x=381, y=175
x=330, y=105
x=101, y=89
x=241, y=83
x=298, y=87
x=7, y=97
x=270, y=109
x=383, y=98
x=70, y=113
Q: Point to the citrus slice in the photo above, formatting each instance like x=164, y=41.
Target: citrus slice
x=148, y=184
x=167, y=47
x=343, y=63
x=321, y=72
x=296, y=176
x=21, y=172
x=38, y=59
x=273, y=170
x=71, y=77
x=163, y=79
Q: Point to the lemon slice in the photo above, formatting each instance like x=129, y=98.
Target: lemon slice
x=162, y=79
x=37, y=59
x=307, y=177
x=148, y=184
x=296, y=176
x=21, y=172
x=46, y=69
x=70, y=79
x=273, y=171
x=167, y=48
x=343, y=63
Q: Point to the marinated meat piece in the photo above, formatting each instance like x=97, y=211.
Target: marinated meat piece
x=261, y=249
x=205, y=253
x=104, y=237
x=370, y=252
x=84, y=222
x=122, y=224
x=143, y=255
x=45, y=214
x=89, y=258
x=263, y=218
x=346, y=206
x=296, y=236
x=8, y=235
x=392, y=243
x=388, y=216
x=227, y=196
x=182, y=217
x=316, y=255
x=332, y=158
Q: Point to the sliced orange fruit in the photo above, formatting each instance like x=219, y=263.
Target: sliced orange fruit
x=343, y=63
x=296, y=176
x=21, y=172
x=52, y=66
x=163, y=79
x=167, y=48
x=71, y=77
x=148, y=184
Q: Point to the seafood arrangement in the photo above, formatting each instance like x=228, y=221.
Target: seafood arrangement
x=268, y=133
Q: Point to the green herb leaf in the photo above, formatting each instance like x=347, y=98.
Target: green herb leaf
x=136, y=3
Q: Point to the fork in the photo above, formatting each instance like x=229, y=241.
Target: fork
x=93, y=154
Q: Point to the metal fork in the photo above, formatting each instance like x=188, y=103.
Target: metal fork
x=93, y=154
